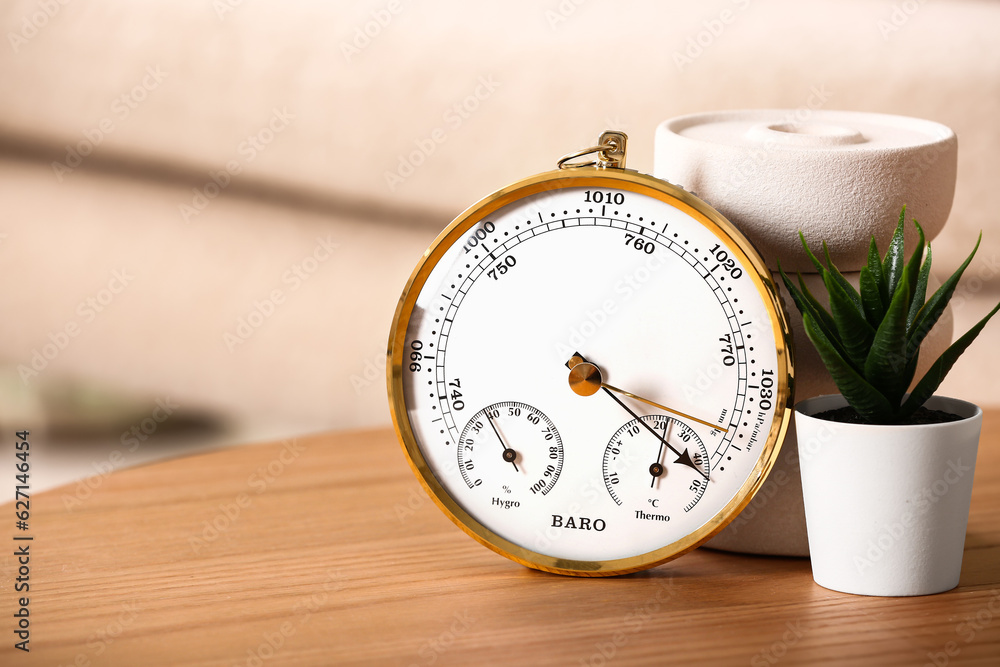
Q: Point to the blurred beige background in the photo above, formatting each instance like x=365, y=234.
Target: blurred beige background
x=215, y=204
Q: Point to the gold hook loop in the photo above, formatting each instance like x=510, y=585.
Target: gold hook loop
x=610, y=152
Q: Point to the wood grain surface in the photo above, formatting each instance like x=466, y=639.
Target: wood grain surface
x=325, y=551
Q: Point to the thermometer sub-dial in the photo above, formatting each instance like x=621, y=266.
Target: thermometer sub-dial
x=655, y=476
x=512, y=449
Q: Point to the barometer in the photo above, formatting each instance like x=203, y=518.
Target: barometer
x=589, y=370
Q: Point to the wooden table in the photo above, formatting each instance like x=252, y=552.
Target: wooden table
x=325, y=551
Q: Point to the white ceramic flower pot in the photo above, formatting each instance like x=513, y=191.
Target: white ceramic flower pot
x=887, y=506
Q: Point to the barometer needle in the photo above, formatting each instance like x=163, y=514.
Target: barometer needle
x=663, y=407
x=509, y=455
x=596, y=381
x=682, y=457
x=586, y=383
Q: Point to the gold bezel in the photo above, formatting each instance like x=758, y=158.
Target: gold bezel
x=630, y=181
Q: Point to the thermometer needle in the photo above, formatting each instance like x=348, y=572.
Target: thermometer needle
x=656, y=470
x=591, y=378
x=509, y=455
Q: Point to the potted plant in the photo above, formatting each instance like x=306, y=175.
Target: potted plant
x=886, y=470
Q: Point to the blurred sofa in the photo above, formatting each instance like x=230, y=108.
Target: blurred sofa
x=222, y=200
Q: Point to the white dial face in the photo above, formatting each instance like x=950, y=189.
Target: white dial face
x=660, y=305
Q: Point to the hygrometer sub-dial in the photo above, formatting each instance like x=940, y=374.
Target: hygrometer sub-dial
x=510, y=449
x=644, y=474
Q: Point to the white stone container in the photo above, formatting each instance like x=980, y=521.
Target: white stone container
x=887, y=506
x=839, y=176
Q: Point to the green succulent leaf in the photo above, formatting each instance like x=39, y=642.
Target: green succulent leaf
x=875, y=267
x=871, y=299
x=847, y=287
x=820, y=269
x=860, y=394
x=892, y=265
x=931, y=311
x=912, y=269
x=807, y=303
x=939, y=369
x=870, y=338
x=920, y=293
x=907, y=376
x=856, y=335
x=817, y=310
x=887, y=359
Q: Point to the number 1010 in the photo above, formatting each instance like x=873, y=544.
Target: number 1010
x=598, y=197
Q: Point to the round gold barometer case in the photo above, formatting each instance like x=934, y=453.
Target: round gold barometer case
x=589, y=371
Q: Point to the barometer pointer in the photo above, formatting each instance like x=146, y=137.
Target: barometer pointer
x=588, y=385
x=683, y=458
x=509, y=455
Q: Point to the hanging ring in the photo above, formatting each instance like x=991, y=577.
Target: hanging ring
x=610, y=153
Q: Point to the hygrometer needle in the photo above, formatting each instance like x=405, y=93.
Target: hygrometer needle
x=509, y=455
